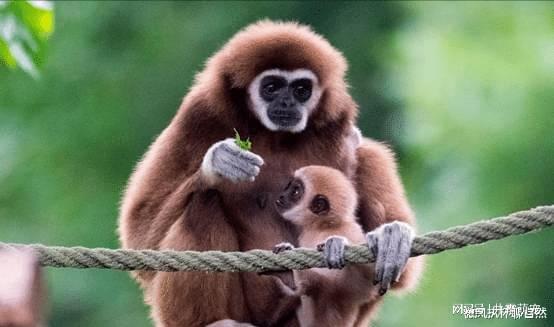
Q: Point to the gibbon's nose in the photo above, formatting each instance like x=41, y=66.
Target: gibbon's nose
x=286, y=102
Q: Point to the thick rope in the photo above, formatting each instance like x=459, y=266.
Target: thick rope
x=261, y=260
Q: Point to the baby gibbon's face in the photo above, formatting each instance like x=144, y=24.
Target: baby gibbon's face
x=318, y=195
x=296, y=202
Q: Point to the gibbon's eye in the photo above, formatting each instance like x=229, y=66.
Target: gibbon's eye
x=270, y=85
x=302, y=89
x=320, y=205
x=296, y=191
x=269, y=89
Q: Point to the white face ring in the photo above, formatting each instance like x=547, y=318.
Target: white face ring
x=259, y=106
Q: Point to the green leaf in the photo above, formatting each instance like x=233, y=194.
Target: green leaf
x=38, y=17
x=24, y=29
x=6, y=57
x=243, y=144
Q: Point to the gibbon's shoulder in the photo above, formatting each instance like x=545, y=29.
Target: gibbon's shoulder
x=375, y=152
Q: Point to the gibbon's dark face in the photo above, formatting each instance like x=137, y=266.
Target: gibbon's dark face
x=291, y=195
x=292, y=201
x=283, y=100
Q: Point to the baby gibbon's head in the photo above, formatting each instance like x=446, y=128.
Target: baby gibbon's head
x=318, y=196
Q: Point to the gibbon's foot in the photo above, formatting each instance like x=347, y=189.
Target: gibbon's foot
x=225, y=159
x=333, y=251
x=282, y=247
x=391, y=245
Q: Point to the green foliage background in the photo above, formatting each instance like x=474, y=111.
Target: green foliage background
x=24, y=29
x=463, y=91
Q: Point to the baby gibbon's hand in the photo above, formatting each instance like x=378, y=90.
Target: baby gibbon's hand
x=333, y=251
x=282, y=247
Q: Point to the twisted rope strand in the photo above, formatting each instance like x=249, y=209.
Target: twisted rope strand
x=263, y=260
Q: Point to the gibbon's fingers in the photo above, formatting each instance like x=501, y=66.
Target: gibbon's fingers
x=333, y=252
x=227, y=166
x=226, y=160
x=371, y=239
x=393, y=249
x=230, y=146
x=404, y=249
x=282, y=247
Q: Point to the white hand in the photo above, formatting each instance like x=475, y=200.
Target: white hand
x=227, y=160
x=391, y=244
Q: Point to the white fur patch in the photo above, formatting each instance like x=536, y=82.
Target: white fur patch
x=260, y=106
x=355, y=137
x=295, y=214
x=207, y=168
x=298, y=211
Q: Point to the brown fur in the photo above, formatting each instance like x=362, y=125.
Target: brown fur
x=169, y=205
x=342, y=196
x=382, y=199
x=332, y=297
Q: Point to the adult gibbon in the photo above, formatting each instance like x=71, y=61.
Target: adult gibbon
x=282, y=86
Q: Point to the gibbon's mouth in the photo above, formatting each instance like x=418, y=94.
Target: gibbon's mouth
x=281, y=204
x=284, y=118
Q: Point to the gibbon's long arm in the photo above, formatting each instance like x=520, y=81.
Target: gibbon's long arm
x=382, y=201
x=170, y=166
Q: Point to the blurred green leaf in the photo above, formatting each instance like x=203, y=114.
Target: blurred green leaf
x=24, y=29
